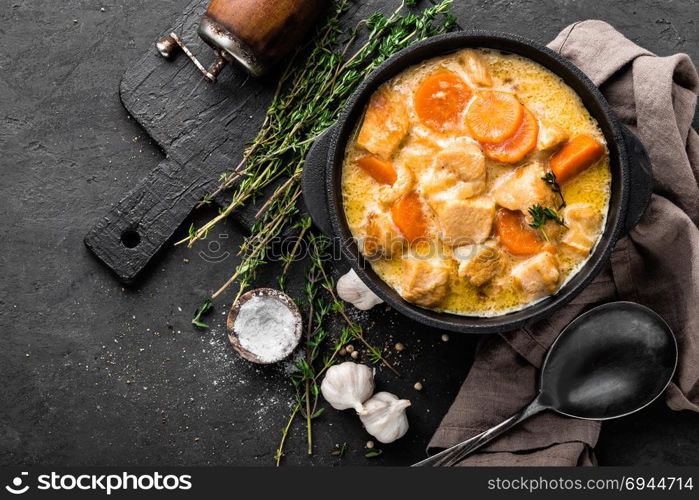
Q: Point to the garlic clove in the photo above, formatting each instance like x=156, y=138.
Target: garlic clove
x=348, y=385
x=352, y=289
x=384, y=416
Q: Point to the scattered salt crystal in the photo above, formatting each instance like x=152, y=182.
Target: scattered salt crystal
x=266, y=328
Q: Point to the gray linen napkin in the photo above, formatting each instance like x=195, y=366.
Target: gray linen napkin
x=655, y=97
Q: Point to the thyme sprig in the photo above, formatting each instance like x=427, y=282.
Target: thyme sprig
x=310, y=370
x=550, y=179
x=541, y=215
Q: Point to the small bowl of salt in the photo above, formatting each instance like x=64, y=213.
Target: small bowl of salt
x=264, y=325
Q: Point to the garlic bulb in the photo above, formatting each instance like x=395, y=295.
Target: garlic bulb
x=384, y=417
x=348, y=385
x=353, y=290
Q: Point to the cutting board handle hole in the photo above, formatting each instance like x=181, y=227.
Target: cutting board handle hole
x=130, y=238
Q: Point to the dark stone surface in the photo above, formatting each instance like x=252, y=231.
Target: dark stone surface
x=99, y=374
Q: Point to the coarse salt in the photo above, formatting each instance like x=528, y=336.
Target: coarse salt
x=266, y=327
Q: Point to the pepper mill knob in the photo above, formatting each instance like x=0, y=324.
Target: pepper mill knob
x=168, y=45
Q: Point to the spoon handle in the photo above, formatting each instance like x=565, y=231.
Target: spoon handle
x=452, y=455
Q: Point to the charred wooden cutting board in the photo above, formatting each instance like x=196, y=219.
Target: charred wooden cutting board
x=201, y=127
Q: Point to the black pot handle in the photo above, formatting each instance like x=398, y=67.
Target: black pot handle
x=640, y=179
x=313, y=182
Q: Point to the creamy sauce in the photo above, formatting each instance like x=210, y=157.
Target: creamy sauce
x=549, y=99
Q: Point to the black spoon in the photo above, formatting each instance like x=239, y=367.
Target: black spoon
x=607, y=363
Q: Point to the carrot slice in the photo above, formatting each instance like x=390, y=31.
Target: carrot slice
x=516, y=235
x=576, y=155
x=494, y=116
x=440, y=99
x=381, y=170
x=408, y=215
x=519, y=145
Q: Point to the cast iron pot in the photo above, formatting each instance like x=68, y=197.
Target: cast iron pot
x=630, y=168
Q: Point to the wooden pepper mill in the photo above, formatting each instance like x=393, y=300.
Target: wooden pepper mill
x=255, y=33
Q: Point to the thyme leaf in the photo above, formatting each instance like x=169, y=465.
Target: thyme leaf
x=541, y=215
x=202, y=310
